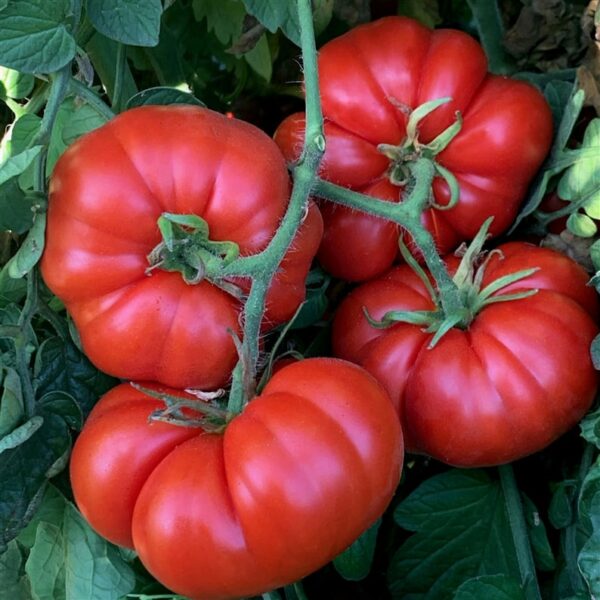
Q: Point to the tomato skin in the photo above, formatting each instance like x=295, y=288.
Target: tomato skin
x=114, y=455
x=515, y=380
x=293, y=480
x=106, y=194
x=365, y=77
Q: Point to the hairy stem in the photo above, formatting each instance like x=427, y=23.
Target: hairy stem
x=408, y=215
x=267, y=262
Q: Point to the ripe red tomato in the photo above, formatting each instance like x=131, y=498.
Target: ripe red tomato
x=370, y=79
x=290, y=483
x=518, y=377
x=106, y=194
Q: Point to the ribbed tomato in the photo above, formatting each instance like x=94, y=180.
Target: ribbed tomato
x=292, y=481
x=514, y=380
x=106, y=194
x=371, y=78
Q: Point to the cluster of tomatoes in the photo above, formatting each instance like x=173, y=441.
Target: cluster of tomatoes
x=280, y=489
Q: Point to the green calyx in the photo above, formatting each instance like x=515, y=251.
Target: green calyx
x=411, y=149
x=468, y=280
x=187, y=248
x=205, y=413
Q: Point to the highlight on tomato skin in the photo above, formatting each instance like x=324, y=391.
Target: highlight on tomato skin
x=137, y=316
x=291, y=482
x=511, y=382
x=371, y=79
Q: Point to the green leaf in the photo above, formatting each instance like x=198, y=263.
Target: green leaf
x=20, y=135
x=490, y=587
x=16, y=213
x=595, y=256
x=13, y=583
x=259, y=58
x=14, y=84
x=488, y=20
x=355, y=562
x=559, y=158
x=102, y=51
x=166, y=59
x=162, y=96
x=322, y=14
x=11, y=290
x=424, y=11
x=133, y=22
x=63, y=404
x=20, y=434
x=589, y=512
x=11, y=403
x=589, y=565
x=73, y=120
x=581, y=225
x=462, y=531
x=590, y=424
x=15, y=165
x=558, y=94
x=581, y=182
x=30, y=252
x=561, y=513
x=592, y=206
x=223, y=17
x=275, y=14
x=316, y=302
x=35, y=35
x=60, y=366
x=595, y=350
x=69, y=561
x=589, y=499
x=25, y=468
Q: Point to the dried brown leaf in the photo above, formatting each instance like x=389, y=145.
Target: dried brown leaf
x=588, y=74
x=546, y=36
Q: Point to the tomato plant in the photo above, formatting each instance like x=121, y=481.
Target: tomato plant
x=372, y=80
x=511, y=379
x=179, y=249
x=265, y=502
x=137, y=316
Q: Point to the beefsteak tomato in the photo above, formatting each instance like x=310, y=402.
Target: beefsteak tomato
x=293, y=480
x=106, y=194
x=371, y=78
x=519, y=376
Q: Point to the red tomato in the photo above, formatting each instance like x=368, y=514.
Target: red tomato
x=292, y=481
x=518, y=377
x=106, y=195
x=370, y=78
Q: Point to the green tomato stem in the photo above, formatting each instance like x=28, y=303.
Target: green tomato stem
x=520, y=535
x=121, y=65
x=87, y=94
x=58, y=91
x=265, y=264
x=408, y=215
x=38, y=98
